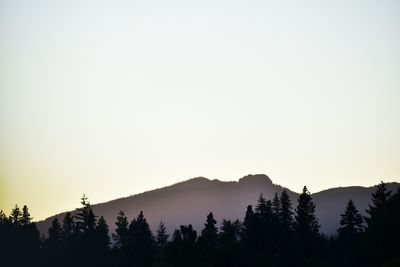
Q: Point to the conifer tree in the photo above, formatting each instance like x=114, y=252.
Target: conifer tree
x=351, y=222
x=286, y=211
x=261, y=206
x=141, y=241
x=122, y=233
x=26, y=217
x=379, y=198
x=230, y=232
x=162, y=236
x=55, y=232
x=276, y=205
x=102, y=234
x=85, y=218
x=209, y=233
x=306, y=223
x=16, y=215
x=68, y=226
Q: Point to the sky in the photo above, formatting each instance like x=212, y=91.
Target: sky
x=113, y=98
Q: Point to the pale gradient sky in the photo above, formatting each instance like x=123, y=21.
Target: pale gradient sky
x=113, y=98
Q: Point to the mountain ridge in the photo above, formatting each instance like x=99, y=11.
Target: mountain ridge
x=188, y=202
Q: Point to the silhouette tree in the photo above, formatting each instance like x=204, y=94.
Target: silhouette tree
x=101, y=246
x=85, y=218
x=16, y=215
x=230, y=232
x=55, y=233
x=351, y=222
x=141, y=241
x=26, y=217
x=54, y=245
x=261, y=206
x=379, y=198
x=209, y=234
x=162, y=236
x=102, y=234
x=285, y=212
x=381, y=240
x=68, y=226
x=276, y=208
x=306, y=224
x=122, y=234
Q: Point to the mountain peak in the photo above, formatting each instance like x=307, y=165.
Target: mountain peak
x=255, y=178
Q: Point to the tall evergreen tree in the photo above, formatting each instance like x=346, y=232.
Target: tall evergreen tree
x=209, y=234
x=15, y=216
x=68, y=226
x=230, y=232
x=276, y=205
x=162, y=236
x=26, y=217
x=122, y=233
x=306, y=224
x=141, y=241
x=379, y=198
x=261, y=206
x=85, y=218
x=285, y=211
x=351, y=222
x=102, y=234
x=55, y=232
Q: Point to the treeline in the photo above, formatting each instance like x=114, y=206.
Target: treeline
x=271, y=234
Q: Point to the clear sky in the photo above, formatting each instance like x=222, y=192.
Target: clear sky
x=113, y=98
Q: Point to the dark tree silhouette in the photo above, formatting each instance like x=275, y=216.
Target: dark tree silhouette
x=26, y=217
x=269, y=236
x=381, y=240
x=379, y=198
x=286, y=212
x=55, y=233
x=141, y=241
x=122, y=234
x=351, y=222
x=230, y=232
x=209, y=233
x=306, y=224
x=162, y=236
x=85, y=218
x=16, y=215
x=68, y=226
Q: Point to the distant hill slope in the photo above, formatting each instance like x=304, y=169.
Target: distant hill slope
x=189, y=202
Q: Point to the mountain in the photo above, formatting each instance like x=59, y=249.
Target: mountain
x=189, y=202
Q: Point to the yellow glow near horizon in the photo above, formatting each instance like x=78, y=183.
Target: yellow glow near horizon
x=113, y=98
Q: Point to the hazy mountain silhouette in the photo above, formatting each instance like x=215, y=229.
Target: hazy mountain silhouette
x=190, y=201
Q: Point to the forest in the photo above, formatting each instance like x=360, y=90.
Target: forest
x=272, y=233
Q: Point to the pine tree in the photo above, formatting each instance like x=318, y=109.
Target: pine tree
x=351, y=222
x=379, y=199
x=162, y=236
x=209, y=234
x=189, y=236
x=276, y=205
x=68, y=226
x=285, y=212
x=15, y=216
x=26, y=217
x=122, y=236
x=102, y=234
x=306, y=223
x=261, y=206
x=85, y=218
x=141, y=241
x=55, y=232
x=230, y=232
